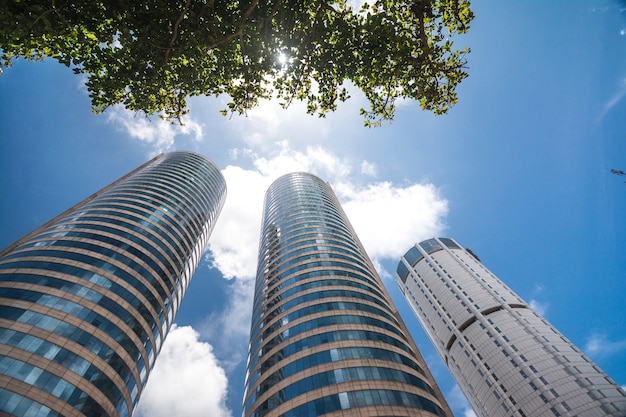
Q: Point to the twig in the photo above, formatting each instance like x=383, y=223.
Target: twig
x=176, y=25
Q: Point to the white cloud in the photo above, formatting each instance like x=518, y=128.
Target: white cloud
x=261, y=122
x=599, y=345
x=158, y=134
x=403, y=215
x=187, y=380
x=389, y=219
x=368, y=168
x=234, y=241
x=382, y=272
x=539, y=307
x=458, y=402
x=192, y=128
x=617, y=97
x=263, y=125
x=315, y=159
x=468, y=412
x=229, y=329
x=270, y=122
x=357, y=4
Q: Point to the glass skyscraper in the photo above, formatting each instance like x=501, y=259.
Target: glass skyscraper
x=87, y=299
x=326, y=338
x=506, y=358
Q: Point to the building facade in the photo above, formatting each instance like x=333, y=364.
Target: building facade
x=506, y=358
x=87, y=299
x=326, y=338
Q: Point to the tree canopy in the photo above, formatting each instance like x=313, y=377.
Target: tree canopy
x=150, y=55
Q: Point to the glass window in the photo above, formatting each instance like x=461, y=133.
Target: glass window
x=63, y=389
x=413, y=256
x=104, y=282
x=337, y=376
x=402, y=271
x=10, y=401
x=322, y=322
x=430, y=246
x=355, y=398
x=77, y=335
x=321, y=338
x=316, y=308
x=449, y=243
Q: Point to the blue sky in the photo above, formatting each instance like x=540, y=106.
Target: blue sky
x=518, y=171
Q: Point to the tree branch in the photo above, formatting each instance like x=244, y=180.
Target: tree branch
x=239, y=31
x=334, y=11
x=248, y=11
x=175, y=34
x=427, y=49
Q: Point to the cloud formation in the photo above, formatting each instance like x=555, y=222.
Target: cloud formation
x=615, y=99
x=157, y=134
x=235, y=238
x=457, y=401
x=598, y=345
x=187, y=380
x=314, y=159
x=539, y=307
x=229, y=329
x=387, y=218
x=368, y=168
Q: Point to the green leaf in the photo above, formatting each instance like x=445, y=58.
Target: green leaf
x=151, y=55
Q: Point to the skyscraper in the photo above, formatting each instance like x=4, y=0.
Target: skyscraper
x=87, y=299
x=326, y=338
x=507, y=359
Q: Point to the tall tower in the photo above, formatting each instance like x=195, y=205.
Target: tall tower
x=326, y=338
x=507, y=359
x=87, y=299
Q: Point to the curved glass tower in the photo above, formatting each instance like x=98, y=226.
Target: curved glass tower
x=507, y=359
x=87, y=299
x=326, y=338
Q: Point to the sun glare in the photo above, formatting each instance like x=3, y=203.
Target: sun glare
x=282, y=59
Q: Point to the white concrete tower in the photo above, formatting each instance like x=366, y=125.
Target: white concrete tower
x=506, y=358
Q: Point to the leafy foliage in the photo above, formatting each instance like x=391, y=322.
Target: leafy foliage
x=152, y=54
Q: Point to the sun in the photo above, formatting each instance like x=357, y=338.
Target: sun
x=282, y=59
